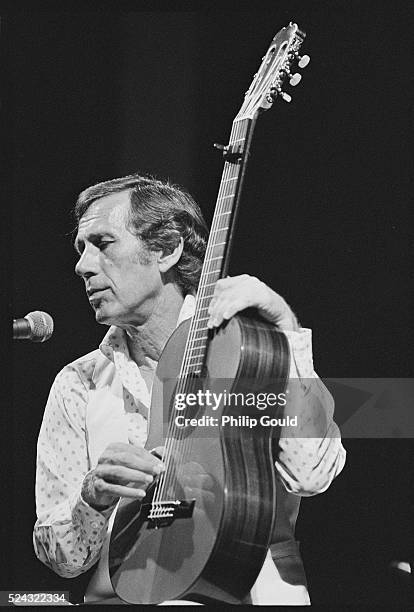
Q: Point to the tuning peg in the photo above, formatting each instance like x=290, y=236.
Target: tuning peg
x=303, y=61
x=295, y=79
x=286, y=97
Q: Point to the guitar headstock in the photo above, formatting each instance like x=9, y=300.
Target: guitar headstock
x=275, y=70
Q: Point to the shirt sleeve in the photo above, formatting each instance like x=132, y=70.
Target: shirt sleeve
x=68, y=533
x=310, y=450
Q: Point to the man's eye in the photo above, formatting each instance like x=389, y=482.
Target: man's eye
x=103, y=245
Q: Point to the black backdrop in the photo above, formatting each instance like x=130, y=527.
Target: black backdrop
x=325, y=220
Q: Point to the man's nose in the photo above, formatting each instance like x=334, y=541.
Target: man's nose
x=87, y=265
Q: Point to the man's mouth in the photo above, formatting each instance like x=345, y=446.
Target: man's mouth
x=94, y=294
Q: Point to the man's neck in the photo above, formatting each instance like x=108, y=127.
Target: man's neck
x=146, y=342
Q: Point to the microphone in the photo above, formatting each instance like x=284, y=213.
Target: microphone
x=36, y=326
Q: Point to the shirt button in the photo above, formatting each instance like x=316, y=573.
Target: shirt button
x=95, y=525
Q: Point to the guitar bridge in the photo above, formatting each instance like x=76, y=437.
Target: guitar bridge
x=163, y=513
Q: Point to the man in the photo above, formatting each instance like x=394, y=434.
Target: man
x=141, y=244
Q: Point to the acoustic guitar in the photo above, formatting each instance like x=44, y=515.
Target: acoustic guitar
x=203, y=530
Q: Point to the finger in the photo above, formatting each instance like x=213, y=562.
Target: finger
x=122, y=448
x=215, y=309
x=158, y=451
x=212, y=305
x=228, y=308
x=214, y=321
x=122, y=475
x=141, y=461
x=117, y=490
x=234, y=307
x=230, y=281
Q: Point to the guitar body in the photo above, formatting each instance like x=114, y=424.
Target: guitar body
x=225, y=471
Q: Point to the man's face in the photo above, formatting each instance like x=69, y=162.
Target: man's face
x=122, y=279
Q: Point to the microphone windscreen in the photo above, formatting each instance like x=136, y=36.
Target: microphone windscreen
x=41, y=324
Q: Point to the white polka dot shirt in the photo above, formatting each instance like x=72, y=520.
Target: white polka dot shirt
x=102, y=398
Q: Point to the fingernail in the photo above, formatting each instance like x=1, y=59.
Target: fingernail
x=149, y=478
x=160, y=467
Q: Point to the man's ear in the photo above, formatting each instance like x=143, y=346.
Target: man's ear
x=167, y=260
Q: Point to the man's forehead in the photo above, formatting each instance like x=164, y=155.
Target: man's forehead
x=110, y=210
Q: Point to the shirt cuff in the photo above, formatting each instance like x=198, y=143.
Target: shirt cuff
x=301, y=362
x=92, y=522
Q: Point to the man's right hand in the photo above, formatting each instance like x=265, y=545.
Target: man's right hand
x=123, y=470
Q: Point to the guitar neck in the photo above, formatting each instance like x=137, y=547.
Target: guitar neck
x=266, y=87
x=217, y=255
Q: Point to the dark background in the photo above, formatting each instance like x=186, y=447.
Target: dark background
x=325, y=221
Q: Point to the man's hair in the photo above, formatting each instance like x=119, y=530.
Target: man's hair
x=160, y=213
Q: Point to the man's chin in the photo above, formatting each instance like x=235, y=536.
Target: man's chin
x=102, y=316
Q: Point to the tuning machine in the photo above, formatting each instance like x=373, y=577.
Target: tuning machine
x=295, y=79
x=285, y=96
x=276, y=92
x=303, y=61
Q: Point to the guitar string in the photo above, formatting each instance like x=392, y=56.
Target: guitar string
x=202, y=295
x=265, y=84
x=213, y=266
x=205, y=291
x=183, y=380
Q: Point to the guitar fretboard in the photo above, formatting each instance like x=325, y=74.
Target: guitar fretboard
x=217, y=252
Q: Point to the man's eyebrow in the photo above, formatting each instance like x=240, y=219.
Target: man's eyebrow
x=93, y=237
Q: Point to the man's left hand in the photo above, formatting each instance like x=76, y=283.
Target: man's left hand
x=233, y=294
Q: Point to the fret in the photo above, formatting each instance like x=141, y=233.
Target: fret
x=218, y=253
x=219, y=250
x=193, y=346
x=201, y=347
x=220, y=229
x=209, y=285
x=193, y=356
x=195, y=371
x=211, y=272
x=198, y=349
x=202, y=328
x=204, y=297
x=231, y=195
x=207, y=295
x=233, y=178
x=228, y=212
